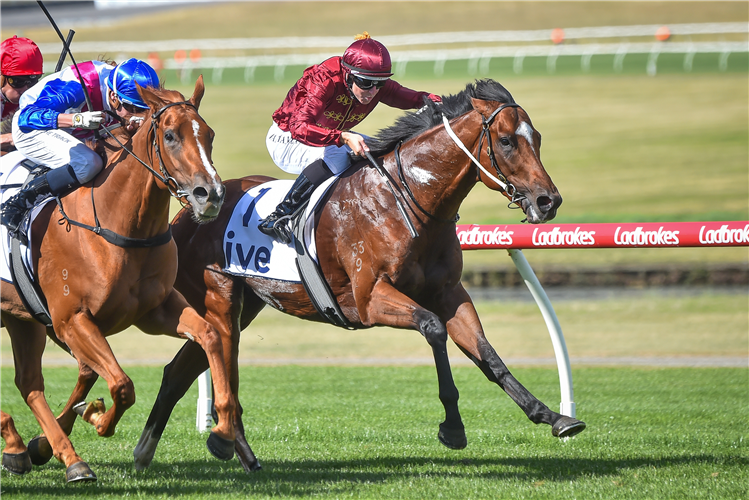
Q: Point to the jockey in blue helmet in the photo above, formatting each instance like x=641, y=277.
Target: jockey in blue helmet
x=53, y=120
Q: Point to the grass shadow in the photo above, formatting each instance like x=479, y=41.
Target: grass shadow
x=301, y=478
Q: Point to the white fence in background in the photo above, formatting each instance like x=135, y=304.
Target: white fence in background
x=444, y=38
x=478, y=58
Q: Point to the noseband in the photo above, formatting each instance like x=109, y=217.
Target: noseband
x=500, y=179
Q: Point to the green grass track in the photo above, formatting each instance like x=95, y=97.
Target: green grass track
x=364, y=432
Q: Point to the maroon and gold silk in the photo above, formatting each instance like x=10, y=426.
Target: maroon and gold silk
x=319, y=106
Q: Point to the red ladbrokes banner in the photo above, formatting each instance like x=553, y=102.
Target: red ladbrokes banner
x=609, y=235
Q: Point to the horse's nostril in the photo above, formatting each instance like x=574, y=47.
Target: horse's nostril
x=200, y=193
x=544, y=203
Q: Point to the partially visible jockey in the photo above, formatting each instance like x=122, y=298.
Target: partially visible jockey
x=311, y=131
x=54, y=120
x=21, y=66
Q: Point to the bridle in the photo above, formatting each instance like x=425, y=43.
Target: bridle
x=170, y=182
x=500, y=178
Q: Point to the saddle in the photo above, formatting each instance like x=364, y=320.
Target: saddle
x=29, y=292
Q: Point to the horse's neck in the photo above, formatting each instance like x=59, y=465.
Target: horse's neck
x=137, y=207
x=441, y=181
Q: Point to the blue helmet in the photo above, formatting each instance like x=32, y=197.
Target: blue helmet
x=123, y=78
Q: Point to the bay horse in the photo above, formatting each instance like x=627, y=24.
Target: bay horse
x=379, y=274
x=96, y=287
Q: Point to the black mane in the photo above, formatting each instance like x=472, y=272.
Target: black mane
x=414, y=123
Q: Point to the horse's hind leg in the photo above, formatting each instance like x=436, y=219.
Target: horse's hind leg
x=16, y=458
x=464, y=327
x=388, y=306
x=28, y=341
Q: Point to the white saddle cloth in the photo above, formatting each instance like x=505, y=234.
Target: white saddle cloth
x=251, y=253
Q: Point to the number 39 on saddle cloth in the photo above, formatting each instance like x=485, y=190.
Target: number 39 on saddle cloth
x=14, y=171
x=250, y=253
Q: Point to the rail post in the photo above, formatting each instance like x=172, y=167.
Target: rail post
x=567, y=406
x=204, y=420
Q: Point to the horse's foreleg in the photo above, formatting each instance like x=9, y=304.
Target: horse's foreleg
x=15, y=455
x=464, y=327
x=179, y=375
x=84, y=338
x=176, y=317
x=387, y=306
x=28, y=341
x=39, y=447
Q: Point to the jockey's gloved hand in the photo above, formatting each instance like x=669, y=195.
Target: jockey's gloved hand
x=435, y=98
x=88, y=119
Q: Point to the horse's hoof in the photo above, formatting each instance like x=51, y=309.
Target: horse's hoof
x=79, y=408
x=249, y=465
x=452, y=438
x=80, y=472
x=221, y=448
x=567, y=427
x=39, y=450
x=17, y=463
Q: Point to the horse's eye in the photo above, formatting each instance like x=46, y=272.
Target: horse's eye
x=168, y=137
x=504, y=141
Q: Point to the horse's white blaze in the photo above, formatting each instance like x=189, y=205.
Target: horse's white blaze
x=208, y=167
x=420, y=175
x=525, y=130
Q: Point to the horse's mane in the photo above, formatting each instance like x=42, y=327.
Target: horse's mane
x=415, y=122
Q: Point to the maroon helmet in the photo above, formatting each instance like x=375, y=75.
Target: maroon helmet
x=367, y=58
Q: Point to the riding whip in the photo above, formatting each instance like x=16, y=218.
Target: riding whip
x=66, y=50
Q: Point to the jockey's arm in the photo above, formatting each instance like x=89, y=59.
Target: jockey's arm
x=48, y=111
x=355, y=142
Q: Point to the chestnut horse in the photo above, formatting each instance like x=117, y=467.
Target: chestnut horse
x=96, y=287
x=379, y=274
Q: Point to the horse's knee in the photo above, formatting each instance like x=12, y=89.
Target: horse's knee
x=209, y=339
x=431, y=327
x=123, y=393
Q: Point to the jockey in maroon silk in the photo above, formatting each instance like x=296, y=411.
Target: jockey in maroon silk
x=311, y=131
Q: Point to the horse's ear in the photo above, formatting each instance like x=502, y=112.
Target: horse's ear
x=197, y=95
x=149, y=97
x=481, y=106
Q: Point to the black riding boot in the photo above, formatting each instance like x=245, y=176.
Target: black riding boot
x=55, y=182
x=277, y=223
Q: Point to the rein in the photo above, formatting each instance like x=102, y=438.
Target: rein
x=501, y=179
x=164, y=177
x=402, y=178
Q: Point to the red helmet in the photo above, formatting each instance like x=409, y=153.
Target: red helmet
x=20, y=56
x=367, y=58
